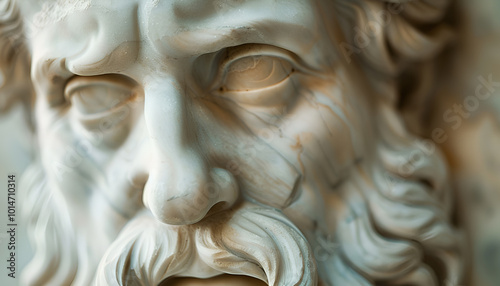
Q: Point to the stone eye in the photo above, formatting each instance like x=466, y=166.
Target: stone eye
x=97, y=94
x=255, y=72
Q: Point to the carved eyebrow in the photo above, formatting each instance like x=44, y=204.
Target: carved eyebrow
x=193, y=27
x=53, y=72
x=106, y=48
x=206, y=41
x=196, y=38
x=294, y=37
x=115, y=61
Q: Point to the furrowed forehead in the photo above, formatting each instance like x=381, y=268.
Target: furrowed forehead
x=196, y=26
x=88, y=32
x=186, y=14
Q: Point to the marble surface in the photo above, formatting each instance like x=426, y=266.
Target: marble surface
x=233, y=142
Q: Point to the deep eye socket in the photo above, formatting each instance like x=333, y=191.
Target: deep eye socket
x=255, y=75
x=97, y=95
x=244, y=68
x=255, y=72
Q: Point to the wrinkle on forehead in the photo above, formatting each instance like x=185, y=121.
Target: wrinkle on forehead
x=90, y=40
x=88, y=36
x=191, y=27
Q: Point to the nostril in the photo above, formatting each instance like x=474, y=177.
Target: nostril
x=190, y=198
x=217, y=208
x=426, y=182
x=222, y=192
x=226, y=184
x=138, y=181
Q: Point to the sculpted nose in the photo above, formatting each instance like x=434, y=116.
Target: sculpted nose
x=183, y=186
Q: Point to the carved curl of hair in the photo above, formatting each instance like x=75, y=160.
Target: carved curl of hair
x=400, y=33
x=14, y=57
x=398, y=44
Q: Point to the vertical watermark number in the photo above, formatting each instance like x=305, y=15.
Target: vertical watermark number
x=11, y=225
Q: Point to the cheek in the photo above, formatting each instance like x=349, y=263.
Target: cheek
x=321, y=135
x=316, y=140
x=235, y=144
x=76, y=176
x=63, y=157
x=326, y=128
x=82, y=157
x=62, y=152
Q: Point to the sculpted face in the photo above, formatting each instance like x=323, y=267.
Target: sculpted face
x=200, y=138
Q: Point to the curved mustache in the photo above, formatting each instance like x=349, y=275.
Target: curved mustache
x=254, y=241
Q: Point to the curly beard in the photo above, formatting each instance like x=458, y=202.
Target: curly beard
x=251, y=240
x=394, y=228
x=395, y=225
x=395, y=231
